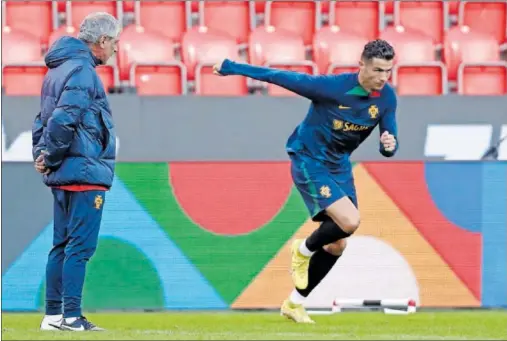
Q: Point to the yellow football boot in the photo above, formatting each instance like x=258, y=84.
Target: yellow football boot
x=295, y=312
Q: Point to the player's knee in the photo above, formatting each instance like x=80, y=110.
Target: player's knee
x=349, y=223
x=344, y=214
x=337, y=248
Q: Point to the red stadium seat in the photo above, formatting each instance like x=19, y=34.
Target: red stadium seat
x=140, y=46
x=389, y=7
x=463, y=45
x=195, y=6
x=336, y=49
x=453, y=7
x=108, y=74
x=19, y=47
x=482, y=79
x=487, y=17
x=23, y=80
x=298, y=17
x=160, y=80
x=202, y=45
x=268, y=44
x=428, y=17
x=208, y=84
x=62, y=31
x=260, y=6
x=229, y=17
x=324, y=7
x=279, y=49
x=128, y=5
x=78, y=10
x=410, y=45
x=61, y=5
x=303, y=66
x=425, y=79
x=169, y=18
x=360, y=17
x=33, y=17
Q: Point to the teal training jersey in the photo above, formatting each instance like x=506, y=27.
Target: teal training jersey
x=341, y=116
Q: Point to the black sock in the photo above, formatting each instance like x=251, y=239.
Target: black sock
x=327, y=233
x=320, y=264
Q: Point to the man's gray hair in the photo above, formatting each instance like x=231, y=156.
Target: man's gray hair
x=98, y=24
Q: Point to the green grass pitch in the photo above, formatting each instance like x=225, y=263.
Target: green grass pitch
x=459, y=325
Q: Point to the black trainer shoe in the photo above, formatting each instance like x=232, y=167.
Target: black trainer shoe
x=81, y=324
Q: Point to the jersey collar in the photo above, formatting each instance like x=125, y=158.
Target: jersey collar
x=358, y=90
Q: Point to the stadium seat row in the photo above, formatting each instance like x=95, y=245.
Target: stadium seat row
x=238, y=18
x=260, y=5
x=149, y=46
x=171, y=79
x=334, y=51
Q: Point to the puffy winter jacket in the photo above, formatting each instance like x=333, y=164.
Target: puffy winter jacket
x=74, y=128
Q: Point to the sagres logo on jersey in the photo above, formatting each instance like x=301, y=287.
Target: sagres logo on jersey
x=325, y=191
x=347, y=126
x=373, y=111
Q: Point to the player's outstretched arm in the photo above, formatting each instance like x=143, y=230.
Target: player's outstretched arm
x=389, y=130
x=315, y=88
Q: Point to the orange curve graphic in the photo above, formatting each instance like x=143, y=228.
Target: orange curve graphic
x=438, y=284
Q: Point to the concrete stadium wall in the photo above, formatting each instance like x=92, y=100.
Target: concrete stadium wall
x=203, y=210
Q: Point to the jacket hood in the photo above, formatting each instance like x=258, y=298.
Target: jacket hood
x=67, y=48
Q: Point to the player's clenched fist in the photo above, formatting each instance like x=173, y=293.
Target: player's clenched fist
x=388, y=141
x=217, y=68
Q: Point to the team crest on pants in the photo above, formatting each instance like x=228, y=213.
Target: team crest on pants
x=98, y=202
x=325, y=191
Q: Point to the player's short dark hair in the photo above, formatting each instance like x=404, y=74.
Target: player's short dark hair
x=378, y=48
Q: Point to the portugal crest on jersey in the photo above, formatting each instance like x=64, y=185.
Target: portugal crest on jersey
x=373, y=111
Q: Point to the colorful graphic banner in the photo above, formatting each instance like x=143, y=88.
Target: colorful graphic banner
x=216, y=235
